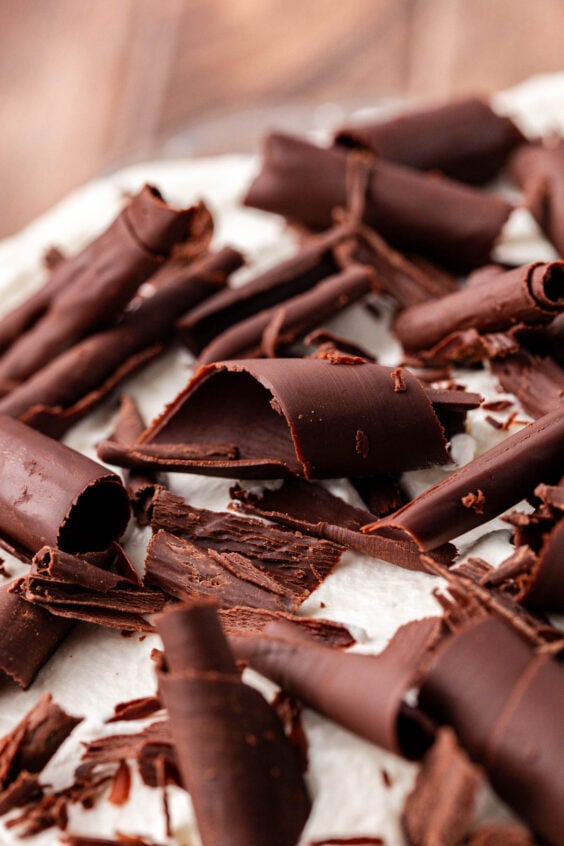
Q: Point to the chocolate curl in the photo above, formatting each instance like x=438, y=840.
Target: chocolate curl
x=69, y=387
x=26, y=750
x=51, y=495
x=444, y=220
x=483, y=488
x=526, y=296
x=312, y=509
x=464, y=139
x=124, y=256
x=242, y=620
x=318, y=257
x=511, y=724
x=536, y=381
x=241, y=771
x=141, y=487
x=29, y=635
x=262, y=334
x=363, y=693
x=539, y=171
x=305, y=417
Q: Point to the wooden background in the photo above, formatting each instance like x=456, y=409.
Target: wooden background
x=86, y=85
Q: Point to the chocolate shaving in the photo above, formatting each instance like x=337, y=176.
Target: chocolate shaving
x=327, y=342
x=78, y=380
x=121, y=785
x=135, y=709
x=244, y=620
x=119, y=840
x=538, y=170
x=348, y=841
x=464, y=139
x=380, y=494
x=241, y=771
x=536, y=381
x=264, y=333
x=444, y=220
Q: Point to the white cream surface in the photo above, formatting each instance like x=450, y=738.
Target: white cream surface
x=95, y=668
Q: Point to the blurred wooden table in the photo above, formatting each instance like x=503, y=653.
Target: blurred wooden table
x=86, y=86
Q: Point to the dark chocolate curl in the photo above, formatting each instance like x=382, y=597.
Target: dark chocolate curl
x=525, y=296
x=539, y=172
x=51, y=495
x=66, y=389
x=262, y=334
x=464, y=139
x=241, y=771
x=304, y=417
x=483, y=488
x=511, y=723
x=536, y=381
x=123, y=257
x=439, y=218
x=363, y=693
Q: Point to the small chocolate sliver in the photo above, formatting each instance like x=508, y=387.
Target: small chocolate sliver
x=135, y=709
x=436, y=217
x=464, y=139
x=441, y=807
x=241, y=770
x=244, y=620
x=348, y=841
x=118, y=840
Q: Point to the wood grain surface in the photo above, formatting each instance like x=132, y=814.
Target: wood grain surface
x=86, y=86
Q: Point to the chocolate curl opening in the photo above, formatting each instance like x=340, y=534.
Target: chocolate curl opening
x=242, y=773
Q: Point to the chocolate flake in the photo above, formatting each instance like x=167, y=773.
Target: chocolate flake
x=475, y=501
x=243, y=620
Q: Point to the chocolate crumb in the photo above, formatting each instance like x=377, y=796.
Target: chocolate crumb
x=362, y=445
x=399, y=381
x=386, y=778
x=475, y=501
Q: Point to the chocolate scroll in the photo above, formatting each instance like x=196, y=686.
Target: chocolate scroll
x=241, y=771
x=464, y=139
x=116, y=264
x=79, y=379
x=539, y=172
x=505, y=704
x=52, y=495
x=527, y=296
x=439, y=218
x=280, y=417
x=483, y=488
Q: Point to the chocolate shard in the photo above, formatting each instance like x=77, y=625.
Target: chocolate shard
x=298, y=417
x=264, y=333
x=301, y=563
x=26, y=750
x=525, y=296
x=135, y=709
x=537, y=381
x=318, y=257
x=504, y=474
x=464, y=139
x=184, y=571
x=363, y=693
x=436, y=217
x=141, y=487
x=538, y=169
x=441, y=807
x=52, y=495
x=502, y=834
x=241, y=771
x=244, y=620
x=29, y=635
x=66, y=389
x=312, y=509
x=118, y=262
x=511, y=723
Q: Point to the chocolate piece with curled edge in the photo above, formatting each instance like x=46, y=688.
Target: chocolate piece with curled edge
x=66, y=389
x=298, y=417
x=363, y=693
x=539, y=171
x=444, y=220
x=118, y=262
x=511, y=723
x=263, y=333
x=526, y=296
x=243, y=620
x=52, y=495
x=537, y=381
x=505, y=474
x=464, y=139
x=236, y=762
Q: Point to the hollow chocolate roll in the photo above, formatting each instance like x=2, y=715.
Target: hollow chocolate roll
x=539, y=171
x=102, y=283
x=302, y=417
x=505, y=704
x=464, y=139
x=483, y=488
x=240, y=769
x=79, y=379
x=51, y=495
x=528, y=296
x=262, y=334
x=444, y=220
